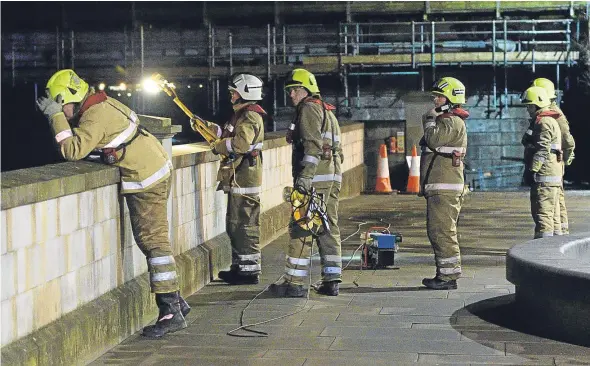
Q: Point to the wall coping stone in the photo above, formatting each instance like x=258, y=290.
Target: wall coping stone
x=26, y=186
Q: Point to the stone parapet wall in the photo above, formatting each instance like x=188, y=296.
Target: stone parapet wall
x=67, y=243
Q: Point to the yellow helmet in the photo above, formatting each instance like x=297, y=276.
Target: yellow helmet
x=451, y=88
x=547, y=85
x=537, y=96
x=67, y=85
x=303, y=78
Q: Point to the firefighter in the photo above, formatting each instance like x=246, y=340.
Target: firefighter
x=316, y=160
x=444, y=145
x=240, y=175
x=85, y=121
x=545, y=164
x=567, y=145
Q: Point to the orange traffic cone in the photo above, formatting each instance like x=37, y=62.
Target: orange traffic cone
x=383, y=185
x=414, y=178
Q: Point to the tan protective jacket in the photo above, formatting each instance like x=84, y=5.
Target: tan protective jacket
x=546, y=141
x=107, y=124
x=444, y=134
x=316, y=138
x=567, y=140
x=241, y=139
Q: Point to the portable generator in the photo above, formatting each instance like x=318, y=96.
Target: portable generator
x=379, y=248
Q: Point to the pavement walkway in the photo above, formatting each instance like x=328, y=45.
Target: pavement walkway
x=389, y=318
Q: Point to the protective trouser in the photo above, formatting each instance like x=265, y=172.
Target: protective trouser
x=442, y=213
x=544, y=201
x=149, y=223
x=243, y=229
x=560, y=221
x=329, y=245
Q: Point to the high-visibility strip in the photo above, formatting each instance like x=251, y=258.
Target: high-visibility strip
x=529, y=132
x=451, y=260
x=444, y=186
x=249, y=267
x=556, y=146
x=296, y=272
x=311, y=159
x=539, y=158
x=544, y=235
x=298, y=261
x=565, y=226
x=229, y=127
x=257, y=146
x=228, y=145
x=246, y=190
x=426, y=149
x=327, y=178
x=449, y=271
x=450, y=149
x=219, y=132
x=158, y=261
x=328, y=135
x=133, y=117
x=333, y=258
x=429, y=124
x=547, y=178
x=163, y=276
x=332, y=270
x=122, y=136
x=149, y=180
x=63, y=135
x=557, y=233
x=292, y=126
x=249, y=257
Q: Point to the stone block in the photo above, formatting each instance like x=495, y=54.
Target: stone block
x=24, y=313
x=511, y=138
x=86, y=208
x=516, y=151
x=69, y=292
x=8, y=325
x=46, y=220
x=68, y=211
x=514, y=125
x=489, y=151
x=483, y=125
x=3, y=233
x=189, y=180
x=9, y=275
x=20, y=224
x=54, y=258
x=47, y=303
x=484, y=138
x=79, y=250
x=107, y=204
x=87, y=284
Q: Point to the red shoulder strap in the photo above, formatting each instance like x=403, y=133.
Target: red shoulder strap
x=328, y=106
x=549, y=113
x=93, y=99
x=256, y=108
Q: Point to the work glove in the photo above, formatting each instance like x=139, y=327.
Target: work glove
x=570, y=159
x=48, y=107
x=303, y=184
x=213, y=149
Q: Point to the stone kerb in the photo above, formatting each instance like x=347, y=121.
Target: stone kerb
x=552, y=278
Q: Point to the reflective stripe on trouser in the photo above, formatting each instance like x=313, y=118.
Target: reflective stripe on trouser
x=442, y=213
x=544, y=201
x=296, y=270
x=149, y=223
x=563, y=226
x=243, y=229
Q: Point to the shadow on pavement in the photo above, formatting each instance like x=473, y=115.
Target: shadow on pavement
x=502, y=311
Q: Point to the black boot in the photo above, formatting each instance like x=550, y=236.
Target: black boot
x=170, y=318
x=287, y=289
x=234, y=277
x=330, y=288
x=438, y=284
x=184, y=307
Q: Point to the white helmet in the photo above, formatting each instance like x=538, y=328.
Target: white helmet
x=248, y=86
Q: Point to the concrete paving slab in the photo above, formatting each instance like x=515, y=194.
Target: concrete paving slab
x=389, y=318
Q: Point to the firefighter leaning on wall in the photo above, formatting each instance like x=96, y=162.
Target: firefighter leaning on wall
x=561, y=224
x=442, y=181
x=85, y=121
x=240, y=175
x=316, y=159
x=544, y=161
